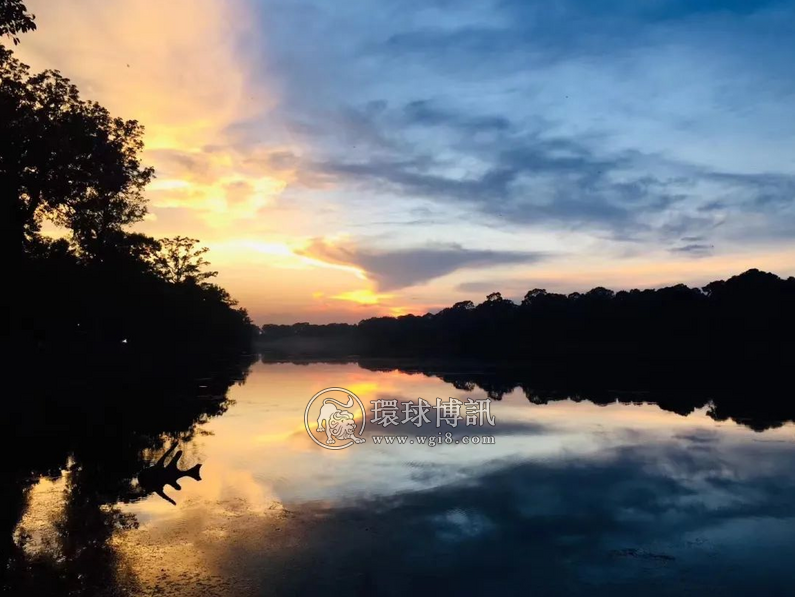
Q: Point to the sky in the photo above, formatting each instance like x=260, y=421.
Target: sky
x=344, y=160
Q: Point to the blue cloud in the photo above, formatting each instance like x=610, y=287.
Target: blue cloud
x=645, y=121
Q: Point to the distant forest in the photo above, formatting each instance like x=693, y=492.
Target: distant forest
x=747, y=318
x=96, y=287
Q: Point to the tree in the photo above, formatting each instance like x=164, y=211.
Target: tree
x=68, y=161
x=126, y=252
x=116, y=199
x=65, y=159
x=218, y=294
x=179, y=260
x=15, y=19
x=463, y=306
x=533, y=295
x=600, y=293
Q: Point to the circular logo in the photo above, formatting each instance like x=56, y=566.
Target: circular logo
x=331, y=423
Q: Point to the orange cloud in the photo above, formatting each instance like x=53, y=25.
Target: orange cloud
x=172, y=65
x=363, y=297
x=177, y=67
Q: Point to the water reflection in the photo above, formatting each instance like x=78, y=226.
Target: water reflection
x=154, y=479
x=744, y=396
x=576, y=495
x=74, y=447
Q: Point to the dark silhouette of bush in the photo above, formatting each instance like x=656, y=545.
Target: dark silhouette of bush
x=121, y=306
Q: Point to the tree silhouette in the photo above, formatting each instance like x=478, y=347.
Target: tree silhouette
x=65, y=159
x=179, y=260
x=534, y=295
x=15, y=19
x=114, y=199
x=747, y=320
x=463, y=306
x=102, y=290
x=133, y=246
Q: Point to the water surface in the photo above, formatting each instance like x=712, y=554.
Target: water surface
x=571, y=498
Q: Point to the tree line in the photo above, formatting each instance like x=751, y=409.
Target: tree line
x=66, y=161
x=747, y=317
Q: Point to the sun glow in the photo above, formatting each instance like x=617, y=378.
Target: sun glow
x=363, y=297
x=292, y=241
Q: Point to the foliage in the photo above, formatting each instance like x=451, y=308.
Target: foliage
x=121, y=306
x=179, y=260
x=15, y=19
x=66, y=159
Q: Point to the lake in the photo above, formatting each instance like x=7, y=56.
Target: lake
x=574, y=496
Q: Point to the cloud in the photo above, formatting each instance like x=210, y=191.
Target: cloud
x=615, y=132
x=183, y=69
x=600, y=119
x=401, y=268
x=513, y=33
x=426, y=113
x=517, y=177
x=530, y=180
x=695, y=249
x=175, y=66
x=362, y=297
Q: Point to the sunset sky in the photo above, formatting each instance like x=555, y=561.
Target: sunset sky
x=355, y=158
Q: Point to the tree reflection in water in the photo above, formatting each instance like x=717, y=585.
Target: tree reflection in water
x=73, y=452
